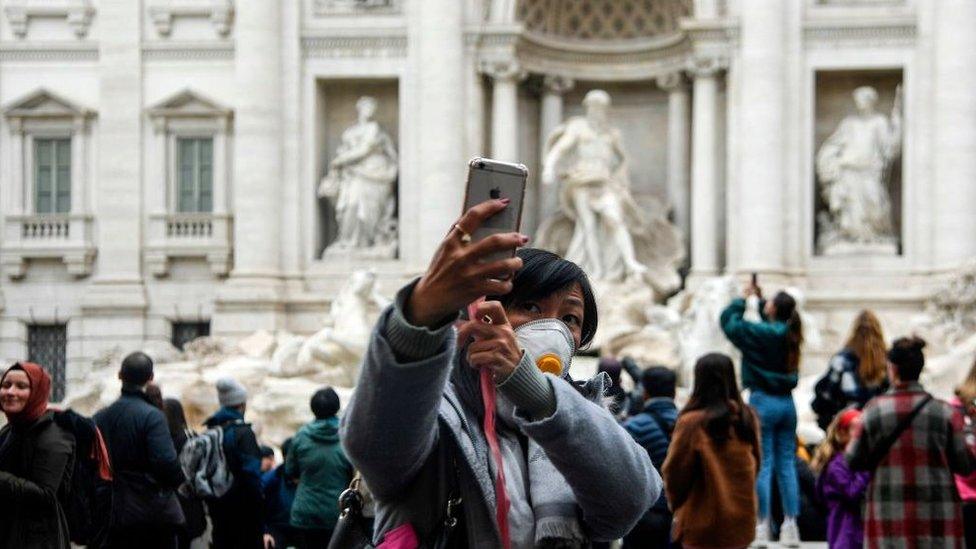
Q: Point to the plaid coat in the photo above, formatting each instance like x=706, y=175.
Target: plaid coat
x=912, y=501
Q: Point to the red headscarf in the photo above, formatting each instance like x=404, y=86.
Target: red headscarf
x=40, y=383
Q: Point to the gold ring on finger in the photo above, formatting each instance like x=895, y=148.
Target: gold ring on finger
x=487, y=319
x=465, y=236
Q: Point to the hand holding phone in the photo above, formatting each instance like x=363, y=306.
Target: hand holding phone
x=494, y=180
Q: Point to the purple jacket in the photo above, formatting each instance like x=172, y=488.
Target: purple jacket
x=843, y=491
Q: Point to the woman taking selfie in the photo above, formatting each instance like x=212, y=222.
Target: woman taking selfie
x=36, y=456
x=770, y=364
x=443, y=416
x=710, y=472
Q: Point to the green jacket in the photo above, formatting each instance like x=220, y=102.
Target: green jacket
x=764, y=349
x=323, y=472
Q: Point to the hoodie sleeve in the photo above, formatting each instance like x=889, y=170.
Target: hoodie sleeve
x=390, y=425
x=611, y=476
x=744, y=334
x=842, y=484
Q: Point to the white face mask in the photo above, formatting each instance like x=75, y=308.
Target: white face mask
x=549, y=344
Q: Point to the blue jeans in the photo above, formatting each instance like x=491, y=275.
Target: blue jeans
x=777, y=417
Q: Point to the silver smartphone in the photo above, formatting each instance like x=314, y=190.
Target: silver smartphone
x=492, y=179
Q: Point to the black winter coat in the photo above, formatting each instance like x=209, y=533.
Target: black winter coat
x=35, y=477
x=138, y=439
x=143, y=457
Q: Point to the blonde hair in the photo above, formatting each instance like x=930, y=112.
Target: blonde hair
x=831, y=444
x=966, y=391
x=868, y=345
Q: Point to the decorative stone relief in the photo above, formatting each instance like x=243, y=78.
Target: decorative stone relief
x=603, y=19
x=352, y=7
x=360, y=184
x=78, y=13
x=220, y=13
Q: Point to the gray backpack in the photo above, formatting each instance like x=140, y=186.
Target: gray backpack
x=205, y=465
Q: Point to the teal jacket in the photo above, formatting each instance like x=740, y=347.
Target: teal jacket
x=764, y=350
x=323, y=472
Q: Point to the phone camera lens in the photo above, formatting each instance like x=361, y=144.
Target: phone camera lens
x=481, y=165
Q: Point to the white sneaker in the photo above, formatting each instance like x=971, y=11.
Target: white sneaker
x=762, y=535
x=789, y=534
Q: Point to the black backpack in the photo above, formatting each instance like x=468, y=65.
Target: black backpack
x=88, y=501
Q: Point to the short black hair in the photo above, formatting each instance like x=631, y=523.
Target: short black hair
x=659, y=381
x=267, y=452
x=545, y=273
x=325, y=403
x=906, y=354
x=137, y=369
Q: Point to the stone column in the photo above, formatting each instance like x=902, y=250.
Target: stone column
x=954, y=178
x=705, y=192
x=762, y=142
x=79, y=167
x=554, y=89
x=257, y=140
x=115, y=302
x=436, y=42
x=505, y=76
x=252, y=298
x=679, y=137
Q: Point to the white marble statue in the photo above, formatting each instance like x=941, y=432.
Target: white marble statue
x=599, y=225
x=854, y=166
x=360, y=184
x=342, y=342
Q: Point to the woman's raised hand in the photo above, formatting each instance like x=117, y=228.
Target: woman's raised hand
x=459, y=273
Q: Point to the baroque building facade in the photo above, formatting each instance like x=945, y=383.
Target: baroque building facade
x=160, y=158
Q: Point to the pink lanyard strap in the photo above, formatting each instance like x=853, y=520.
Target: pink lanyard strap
x=491, y=435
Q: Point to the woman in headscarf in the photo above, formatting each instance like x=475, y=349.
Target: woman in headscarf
x=36, y=459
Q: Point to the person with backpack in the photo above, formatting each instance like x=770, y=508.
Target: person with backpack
x=193, y=510
x=914, y=444
x=471, y=433
x=965, y=403
x=36, y=460
x=652, y=429
x=840, y=488
x=318, y=463
x=856, y=374
x=238, y=514
x=145, y=510
x=279, y=497
x=770, y=365
x=713, y=459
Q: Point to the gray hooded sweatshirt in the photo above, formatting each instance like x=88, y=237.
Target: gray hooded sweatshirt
x=409, y=432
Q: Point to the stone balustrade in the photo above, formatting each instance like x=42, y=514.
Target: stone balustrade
x=189, y=235
x=68, y=237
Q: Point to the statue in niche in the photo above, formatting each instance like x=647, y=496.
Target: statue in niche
x=599, y=224
x=854, y=166
x=360, y=184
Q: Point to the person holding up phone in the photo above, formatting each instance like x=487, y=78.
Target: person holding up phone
x=770, y=350
x=415, y=426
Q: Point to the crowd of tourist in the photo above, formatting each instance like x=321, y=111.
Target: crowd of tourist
x=466, y=430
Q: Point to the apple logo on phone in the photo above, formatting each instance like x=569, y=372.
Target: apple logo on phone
x=495, y=193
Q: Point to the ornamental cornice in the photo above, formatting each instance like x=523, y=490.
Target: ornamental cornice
x=35, y=51
x=895, y=32
x=188, y=51
x=333, y=46
x=619, y=61
x=706, y=65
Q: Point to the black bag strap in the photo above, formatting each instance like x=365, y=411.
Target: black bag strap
x=885, y=444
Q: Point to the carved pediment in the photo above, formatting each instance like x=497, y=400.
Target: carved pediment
x=45, y=104
x=189, y=104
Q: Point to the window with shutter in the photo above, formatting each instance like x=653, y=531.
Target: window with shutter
x=52, y=175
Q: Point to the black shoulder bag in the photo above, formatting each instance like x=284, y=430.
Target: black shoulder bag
x=879, y=452
x=352, y=530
